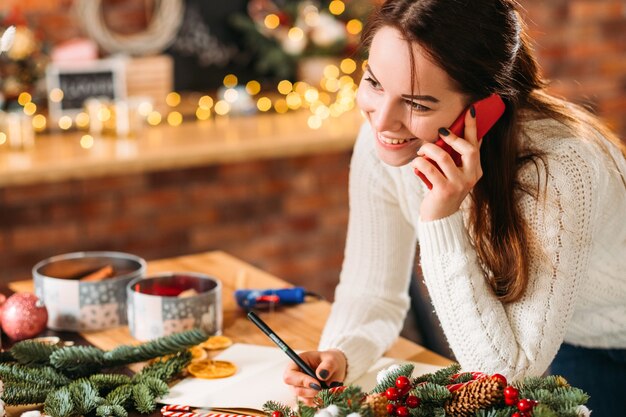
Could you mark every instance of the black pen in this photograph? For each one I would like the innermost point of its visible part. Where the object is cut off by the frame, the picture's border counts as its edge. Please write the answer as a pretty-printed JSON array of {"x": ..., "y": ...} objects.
[{"x": 283, "y": 346}]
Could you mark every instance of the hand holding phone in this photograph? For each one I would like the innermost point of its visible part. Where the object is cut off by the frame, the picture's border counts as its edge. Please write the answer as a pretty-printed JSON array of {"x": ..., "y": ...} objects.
[{"x": 488, "y": 111}]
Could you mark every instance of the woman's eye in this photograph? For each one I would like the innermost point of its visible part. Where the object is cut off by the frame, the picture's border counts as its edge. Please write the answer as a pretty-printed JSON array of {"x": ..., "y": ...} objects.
[
  {"x": 372, "y": 82},
  {"x": 416, "y": 106}
]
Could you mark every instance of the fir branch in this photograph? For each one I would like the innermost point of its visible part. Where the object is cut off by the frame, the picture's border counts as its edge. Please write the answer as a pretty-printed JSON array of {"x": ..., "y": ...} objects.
[
  {"x": 84, "y": 396},
  {"x": 120, "y": 396},
  {"x": 143, "y": 399},
  {"x": 389, "y": 379},
  {"x": 440, "y": 377},
  {"x": 30, "y": 352},
  {"x": 36, "y": 375},
  {"x": 107, "y": 382},
  {"x": 166, "y": 345},
  {"x": 59, "y": 403},
  {"x": 114, "y": 410},
  {"x": 22, "y": 394},
  {"x": 157, "y": 387},
  {"x": 285, "y": 410},
  {"x": 166, "y": 369},
  {"x": 77, "y": 360},
  {"x": 430, "y": 393},
  {"x": 462, "y": 378}
]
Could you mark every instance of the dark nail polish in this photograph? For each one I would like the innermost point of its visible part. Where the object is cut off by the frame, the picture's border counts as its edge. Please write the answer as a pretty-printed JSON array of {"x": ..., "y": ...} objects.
[
  {"x": 315, "y": 386},
  {"x": 336, "y": 384},
  {"x": 323, "y": 374},
  {"x": 472, "y": 111},
  {"x": 443, "y": 131}
]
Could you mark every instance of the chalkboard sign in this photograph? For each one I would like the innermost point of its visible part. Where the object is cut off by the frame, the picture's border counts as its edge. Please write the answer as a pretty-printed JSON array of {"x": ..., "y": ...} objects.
[{"x": 78, "y": 82}]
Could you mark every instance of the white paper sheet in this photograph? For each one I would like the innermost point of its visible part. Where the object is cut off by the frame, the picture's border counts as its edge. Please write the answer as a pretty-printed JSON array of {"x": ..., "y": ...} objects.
[{"x": 259, "y": 378}]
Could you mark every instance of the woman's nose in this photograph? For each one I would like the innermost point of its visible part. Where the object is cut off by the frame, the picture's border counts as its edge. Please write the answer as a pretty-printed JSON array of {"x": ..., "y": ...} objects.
[{"x": 386, "y": 117}]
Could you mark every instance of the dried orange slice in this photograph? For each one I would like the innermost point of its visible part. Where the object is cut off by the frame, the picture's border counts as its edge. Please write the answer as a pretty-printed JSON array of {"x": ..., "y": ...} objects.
[
  {"x": 197, "y": 353},
  {"x": 210, "y": 369},
  {"x": 216, "y": 342}
]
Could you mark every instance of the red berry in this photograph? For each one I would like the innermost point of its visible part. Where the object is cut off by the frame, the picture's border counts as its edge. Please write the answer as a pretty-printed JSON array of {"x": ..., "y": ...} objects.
[
  {"x": 412, "y": 401},
  {"x": 525, "y": 405},
  {"x": 392, "y": 394},
  {"x": 500, "y": 378},
  {"x": 402, "y": 411},
  {"x": 402, "y": 382},
  {"x": 277, "y": 414},
  {"x": 516, "y": 414},
  {"x": 511, "y": 392},
  {"x": 391, "y": 409},
  {"x": 510, "y": 400}
]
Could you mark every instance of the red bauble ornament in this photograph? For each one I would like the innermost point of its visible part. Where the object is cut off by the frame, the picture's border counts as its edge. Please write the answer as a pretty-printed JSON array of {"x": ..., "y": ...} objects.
[
  {"x": 402, "y": 411},
  {"x": 412, "y": 401},
  {"x": 402, "y": 382},
  {"x": 516, "y": 414},
  {"x": 500, "y": 378},
  {"x": 525, "y": 405},
  {"x": 391, "y": 409},
  {"x": 277, "y": 414},
  {"x": 511, "y": 395},
  {"x": 23, "y": 316},
  {"x": 392, "y": 394}
]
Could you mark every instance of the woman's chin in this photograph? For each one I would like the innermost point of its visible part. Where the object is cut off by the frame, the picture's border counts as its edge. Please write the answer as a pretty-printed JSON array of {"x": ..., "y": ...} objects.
[{"x": 394, "y": 159}]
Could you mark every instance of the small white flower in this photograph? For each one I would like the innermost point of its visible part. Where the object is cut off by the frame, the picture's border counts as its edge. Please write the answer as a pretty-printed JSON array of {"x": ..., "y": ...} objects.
[
  {"x": 380, "y": 376},
  {"x": 7, "y": 39},
  {"x": 33, "y": 413},
  {"x": 354, "y": 415},
  {"x": 583, "y": 411},
  {"x": 323, "y": 413}
]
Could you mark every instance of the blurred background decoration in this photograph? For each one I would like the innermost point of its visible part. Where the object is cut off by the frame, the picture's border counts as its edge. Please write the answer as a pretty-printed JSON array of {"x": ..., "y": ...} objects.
[
  {"x": 23, "y": 66},
  {"x": 288, "y": 34}
]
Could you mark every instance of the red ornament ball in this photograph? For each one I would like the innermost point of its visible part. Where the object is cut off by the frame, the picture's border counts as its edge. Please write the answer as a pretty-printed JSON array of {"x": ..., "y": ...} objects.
[
  {"x": 402, "y": 382},
  {"x": 277, "y": 414},
  {"x": 392, "y": 394},
  {"x": 412, "y": 401},
  {"x": 525, "y": 405},
  {"x": 391, "y": 409},
  {"x": 23, "y": 316},
  {"x": 402, "y": 411}
]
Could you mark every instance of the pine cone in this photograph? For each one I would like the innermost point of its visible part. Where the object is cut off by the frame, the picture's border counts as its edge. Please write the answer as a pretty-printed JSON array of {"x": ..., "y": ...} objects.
[
  {"x": 378, "y": 404},
  {"x": 482, "y": 393}
]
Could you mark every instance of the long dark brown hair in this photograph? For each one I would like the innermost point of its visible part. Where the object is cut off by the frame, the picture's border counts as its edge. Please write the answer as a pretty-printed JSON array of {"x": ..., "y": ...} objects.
[{"x": 483, "y": 47}]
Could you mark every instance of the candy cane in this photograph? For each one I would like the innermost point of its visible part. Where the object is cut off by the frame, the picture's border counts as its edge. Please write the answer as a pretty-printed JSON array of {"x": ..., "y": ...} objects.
[{"x": 185, "y": 411}]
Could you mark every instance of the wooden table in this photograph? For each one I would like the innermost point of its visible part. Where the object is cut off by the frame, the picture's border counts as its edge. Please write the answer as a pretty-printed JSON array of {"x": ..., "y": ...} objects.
[{"x": 299, "y": 326}]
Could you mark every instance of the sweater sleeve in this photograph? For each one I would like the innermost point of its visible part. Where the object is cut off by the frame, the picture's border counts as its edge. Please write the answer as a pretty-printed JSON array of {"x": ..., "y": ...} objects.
[
  {"x": 371, "y": 299},
  {"x": 520, "y": 338}
]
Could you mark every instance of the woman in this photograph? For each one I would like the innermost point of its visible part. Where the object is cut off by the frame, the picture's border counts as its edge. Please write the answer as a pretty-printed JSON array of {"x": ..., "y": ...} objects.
[{"x": 522, "y": 247}]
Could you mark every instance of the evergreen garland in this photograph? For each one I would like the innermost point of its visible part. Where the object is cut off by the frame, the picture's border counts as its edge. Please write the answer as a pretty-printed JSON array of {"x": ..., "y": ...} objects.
[
  {"x": 445, "y": 393},
  {"x": 69, "y": 382}
]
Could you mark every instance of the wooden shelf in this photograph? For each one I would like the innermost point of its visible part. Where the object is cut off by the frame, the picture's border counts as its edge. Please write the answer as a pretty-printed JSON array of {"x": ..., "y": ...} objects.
[{"x": 58, "y": 157}]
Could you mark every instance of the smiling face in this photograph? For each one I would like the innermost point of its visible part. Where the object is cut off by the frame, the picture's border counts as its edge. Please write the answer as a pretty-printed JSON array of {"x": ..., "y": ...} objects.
[{"x": 405, "y": 115}]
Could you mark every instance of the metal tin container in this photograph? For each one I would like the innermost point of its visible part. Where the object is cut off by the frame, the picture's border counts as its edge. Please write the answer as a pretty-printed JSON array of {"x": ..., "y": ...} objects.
[
  {"x": 172, "y": 302},
  {"x": 78, "y": 305}
]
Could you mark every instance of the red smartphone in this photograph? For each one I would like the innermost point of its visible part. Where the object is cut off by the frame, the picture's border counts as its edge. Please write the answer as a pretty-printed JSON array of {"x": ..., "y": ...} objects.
[{"x": 488, "y": 111}]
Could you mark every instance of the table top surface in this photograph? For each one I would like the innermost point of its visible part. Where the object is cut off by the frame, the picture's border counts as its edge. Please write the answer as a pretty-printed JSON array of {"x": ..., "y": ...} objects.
[{"x": 299, "y": 326}]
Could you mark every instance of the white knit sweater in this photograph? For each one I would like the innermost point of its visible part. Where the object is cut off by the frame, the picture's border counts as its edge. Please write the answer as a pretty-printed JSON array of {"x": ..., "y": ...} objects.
[{"x": 577, "y": 283}]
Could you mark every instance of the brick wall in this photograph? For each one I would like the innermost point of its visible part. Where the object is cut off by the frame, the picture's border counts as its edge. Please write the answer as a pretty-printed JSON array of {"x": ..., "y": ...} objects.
[{"x": 286, "y": 216}]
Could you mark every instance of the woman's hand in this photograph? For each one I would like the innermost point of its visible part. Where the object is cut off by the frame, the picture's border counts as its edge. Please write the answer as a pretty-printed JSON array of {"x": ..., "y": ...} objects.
[
  {"x": 451, "y": 186},
  {"x": 330, "y": 366}
]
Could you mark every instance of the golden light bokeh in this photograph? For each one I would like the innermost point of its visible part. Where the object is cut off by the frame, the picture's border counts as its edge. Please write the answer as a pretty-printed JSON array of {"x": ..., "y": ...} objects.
[
  {"x": 205, "y": 102},
  {"x": 281, "y": 106},
  {"x": 314, "y": 122},
  {"x": 86, "y": 141},
  {"x": 3, "y": 138},
  {"x": 264, "y": 104},
  {"x": 348, "y": 66},
  {"x": 203, "y": 113},
  {"x": 222, "y": 107},
  {"x": 56, "y": 95},
  {"x": 30, "y": 108},
  {"x": 172, "y": 99},
  {"x": 230, "y": 81},
  {"x": 154, "y": 118},
  {"x": 24, "y": 98},
  {"x": 253, "y": 87},
  {"x": 294, "y": 101},
  {"x": 354, "y": 26},
  {"x": 65, "y": 122},
  {"x": 82, "y": 120},
  {"x": 39, "y": 122},
  {"x": 331, "y": 71},
  {"x": 271, "y": 21},
  {"x": 337, "y": 7},
  {"x": 295, "y": 34},
  {"x": 231, "y": 95},
  {"x": 174, "y": 118},
  {"x": 285, "y": 87}
]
